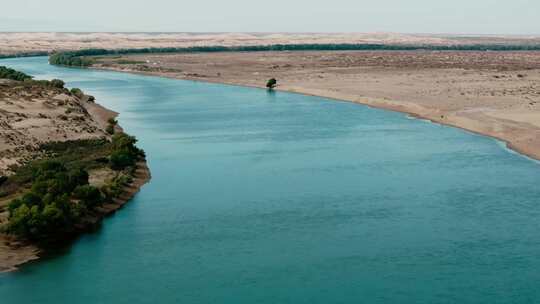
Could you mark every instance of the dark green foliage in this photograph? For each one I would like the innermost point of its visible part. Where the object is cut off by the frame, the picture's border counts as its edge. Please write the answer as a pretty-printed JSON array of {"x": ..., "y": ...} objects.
[
  {"x": 80, "y": 58},
  {"x": 124, "y": 61},
  {"x": 8, "y": 73},
  {"x": 78, "y": 176},
  {"x": 77, "y": 92},
  {"x": 47, "y": 209},
  {"x": 116, "y": 186},
  {"x": 3, "y": 179},
  {"x": 271, "y": 83},
  {"x": 89, "y": 196},
  {"x": 57, "y": 83},
  {"x": 121, "y": 159},
  {"x": 59, "y": 195},
  {"x": 27, "y": 54},
  {"x": 125, "y": 153},
  {"x": 112, "y": 121},
  {"x": 69, "y": 59},
  {"x": 88, "y": 154}
]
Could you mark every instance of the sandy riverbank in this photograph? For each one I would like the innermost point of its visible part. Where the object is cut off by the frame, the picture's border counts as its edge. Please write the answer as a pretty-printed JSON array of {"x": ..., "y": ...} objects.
[
  {"x": 491, "y": 93},
  {"x": 31, "y": 116}
]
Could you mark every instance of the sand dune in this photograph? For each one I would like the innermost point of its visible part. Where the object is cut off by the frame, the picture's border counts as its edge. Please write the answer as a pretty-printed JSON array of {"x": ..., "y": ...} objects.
[{"x": 11, "y": 43}]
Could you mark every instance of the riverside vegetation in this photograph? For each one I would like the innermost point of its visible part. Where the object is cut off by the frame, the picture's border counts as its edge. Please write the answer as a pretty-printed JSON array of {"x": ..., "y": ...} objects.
[
  {"x": 11, "y": 74},
  {"x": 83, "y": 58},
  {"x": 52, "y": 198},
  {"x": 58, "y": 199}
]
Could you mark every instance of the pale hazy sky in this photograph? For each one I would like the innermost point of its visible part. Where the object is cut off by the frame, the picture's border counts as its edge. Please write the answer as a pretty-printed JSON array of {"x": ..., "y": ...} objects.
[{"x": 410, "y": 16}]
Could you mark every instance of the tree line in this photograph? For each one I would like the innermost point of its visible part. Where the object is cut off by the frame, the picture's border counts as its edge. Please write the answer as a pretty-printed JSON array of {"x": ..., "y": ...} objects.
[
  {"x": 80, "y": 58},
  {"x": 27, "y": 54},
  {"x": 12, "y": 74}
]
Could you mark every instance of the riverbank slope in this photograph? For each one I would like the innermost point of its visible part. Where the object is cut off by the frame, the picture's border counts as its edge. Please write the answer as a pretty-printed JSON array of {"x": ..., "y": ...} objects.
[{"x": 34, "y": 115}]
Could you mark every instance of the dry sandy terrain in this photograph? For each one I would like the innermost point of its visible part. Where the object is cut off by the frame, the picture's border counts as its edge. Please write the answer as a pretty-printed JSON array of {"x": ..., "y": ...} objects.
[
  {"x": 11, "y": 43},
  {"x": 492, "y": 93}
]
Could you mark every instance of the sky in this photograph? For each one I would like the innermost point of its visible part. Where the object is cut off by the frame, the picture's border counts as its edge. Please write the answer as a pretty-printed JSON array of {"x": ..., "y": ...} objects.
[{"x": 519, "y": 17}]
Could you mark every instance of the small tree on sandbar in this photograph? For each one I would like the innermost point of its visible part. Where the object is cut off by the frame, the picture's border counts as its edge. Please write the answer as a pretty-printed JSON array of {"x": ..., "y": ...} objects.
[{"x": 271, "y": 84}]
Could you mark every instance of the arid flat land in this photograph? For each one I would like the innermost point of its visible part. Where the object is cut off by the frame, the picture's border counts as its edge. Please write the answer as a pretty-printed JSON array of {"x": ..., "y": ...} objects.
[
  {"x": 15, "y": 43},
  {"x": 492, "y": 93}
]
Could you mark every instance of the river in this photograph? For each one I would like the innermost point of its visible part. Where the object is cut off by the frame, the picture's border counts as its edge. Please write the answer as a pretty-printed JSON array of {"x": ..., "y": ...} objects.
[{"x": 261, "y": 197}]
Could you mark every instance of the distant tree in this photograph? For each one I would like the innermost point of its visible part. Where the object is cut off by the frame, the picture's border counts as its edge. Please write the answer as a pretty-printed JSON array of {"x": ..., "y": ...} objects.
[{"x": 272, "y": 82}]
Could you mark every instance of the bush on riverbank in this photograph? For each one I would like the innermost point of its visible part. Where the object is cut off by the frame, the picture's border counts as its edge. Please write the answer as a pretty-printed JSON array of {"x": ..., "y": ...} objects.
[
  {"x": 125, "y": 153},
  {"x": 70, "y": 59},
  {"x": 58, "y": 195},
  {"x": 77, "y": 92},
  {"x": 49, "y": 208},
  {"x": 272, "y": 82},
  {"x": 8, "y": 73}
]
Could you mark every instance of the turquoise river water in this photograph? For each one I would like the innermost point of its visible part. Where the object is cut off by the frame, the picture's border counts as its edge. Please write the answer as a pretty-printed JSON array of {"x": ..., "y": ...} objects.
[{"x": 284, "y": 198}]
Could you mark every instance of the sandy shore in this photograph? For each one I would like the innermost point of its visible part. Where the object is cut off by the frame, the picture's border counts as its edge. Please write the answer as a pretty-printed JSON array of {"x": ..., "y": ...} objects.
[{"x": 491, "y": 93}]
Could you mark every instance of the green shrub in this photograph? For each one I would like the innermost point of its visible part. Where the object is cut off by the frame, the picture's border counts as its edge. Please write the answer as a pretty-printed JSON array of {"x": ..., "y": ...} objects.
[
  {"x": 46, "y": 209},
  {"x": 125, "y": 153},
  {"x": 89, "y": 196},
  {"x": 77, "y": 92},
  {"x": 121, "y": 159},
  {"x": 8, "y": 73},
  {"x": 57, "y": 83}
]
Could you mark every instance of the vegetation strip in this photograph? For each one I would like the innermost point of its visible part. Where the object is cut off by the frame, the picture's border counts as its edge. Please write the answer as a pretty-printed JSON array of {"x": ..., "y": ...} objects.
[
  {"x": 81, "y": 58},
  {"x": 29, "y": 54}
]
